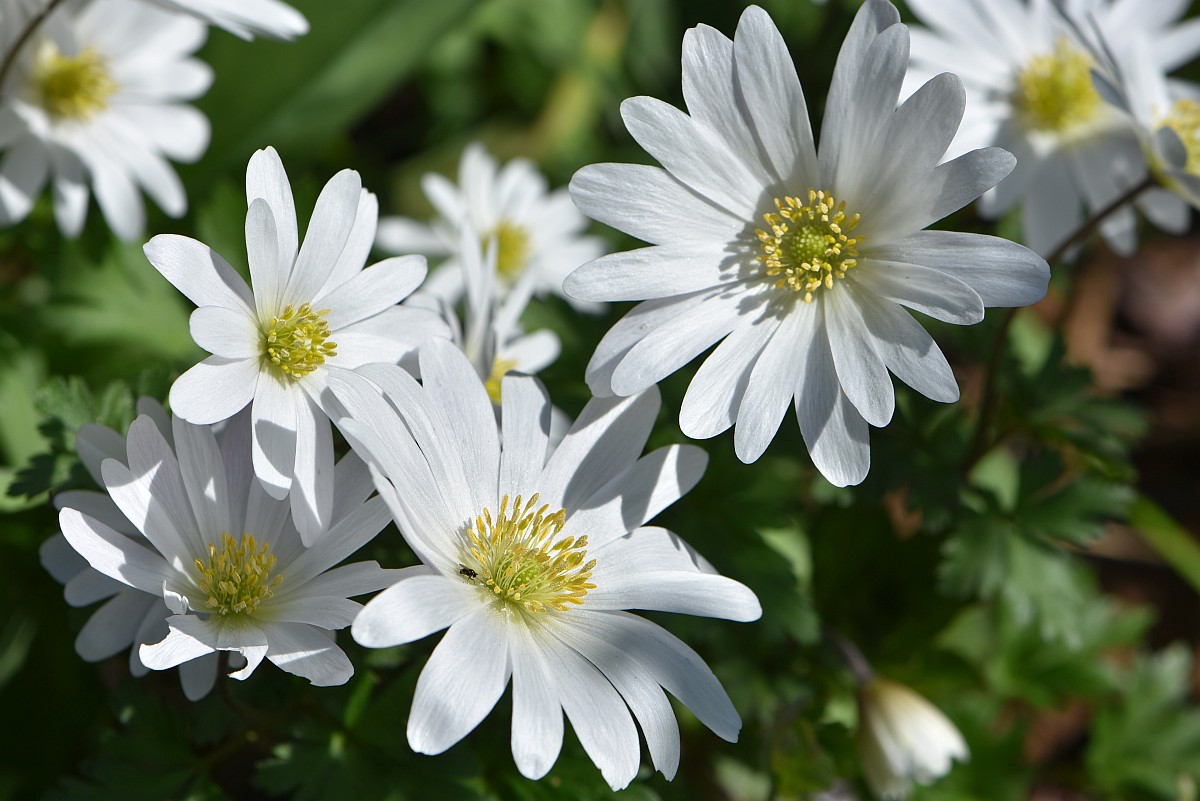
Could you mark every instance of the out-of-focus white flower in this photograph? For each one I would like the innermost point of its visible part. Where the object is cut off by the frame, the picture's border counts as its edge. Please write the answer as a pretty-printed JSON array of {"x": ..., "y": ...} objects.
[
  {"x": 1029, "y": 90},
  {"x": 1165, "y": 113},
  {"x": 94, "y": 98},
  {"x": 798, "y": 261},
  {"x": 202, "y": 545},
  {"x": 312, "y": 310},
  {"x": 245, "y": 18},
  {"x": 531, "y": 558},
  {"x": 903, "y": 739},
  {"x": 538, "y": 233}
]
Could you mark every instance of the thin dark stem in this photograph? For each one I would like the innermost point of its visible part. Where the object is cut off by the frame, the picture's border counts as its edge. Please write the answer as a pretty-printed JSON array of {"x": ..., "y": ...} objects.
[
  {"x": 35, "y": 22},
  {"x": 980, "y": 442},
  {"x": 850, "y": 652}
]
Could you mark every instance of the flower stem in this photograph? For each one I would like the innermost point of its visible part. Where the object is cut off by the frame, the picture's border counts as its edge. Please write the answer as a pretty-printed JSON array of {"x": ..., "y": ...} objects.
[
  {"x": 980, "y": 442},
  {"x": 35, "y": 22},
  {"x": 854, "y": 658}
]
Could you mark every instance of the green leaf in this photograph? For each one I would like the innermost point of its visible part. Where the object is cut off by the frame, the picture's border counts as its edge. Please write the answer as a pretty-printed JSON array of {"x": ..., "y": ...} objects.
[
  {"x": 1173, "y": 543},
  {"x": 298, "y": 96}
]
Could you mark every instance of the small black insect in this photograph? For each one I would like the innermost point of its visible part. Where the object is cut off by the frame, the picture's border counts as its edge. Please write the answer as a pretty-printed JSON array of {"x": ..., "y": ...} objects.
[{"x": 468, "y": 573}]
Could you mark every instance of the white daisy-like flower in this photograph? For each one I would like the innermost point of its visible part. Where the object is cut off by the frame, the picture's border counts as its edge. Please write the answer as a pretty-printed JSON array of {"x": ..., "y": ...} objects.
[
  {"x": 1029, "y": 90},
  {"x": 1165, "y": 114},
  {"x": 95, "y": 98},
  {"x": 798, "y": 261},
  {"x": 222, "y": 556},
  {"x": 128, "y": 617},
  {"x": 245, "y": 18},
  {"x": 530, "y": 558},
  {"x": 538, "y": 232},
  {"x": 310, "y": 313},
  {"x": 492, "y": 337},
  {"x": 903, "y": 739}
]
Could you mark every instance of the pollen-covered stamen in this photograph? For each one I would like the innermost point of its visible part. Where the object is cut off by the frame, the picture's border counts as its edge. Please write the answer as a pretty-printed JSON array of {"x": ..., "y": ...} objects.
[
  {"x": 808, "y": 245},
  {"x": 500, "y": 368},
  {"x": 1184, "y": 120},
  {"x": 296, "y": 341},
  {"x": 1055, "y": 91},
  {"x": 237, "y": 578},
  {"x": 518, "y": 561},
  {"x": 512, "y": 248},
  {"x": 71, "y": 87}
]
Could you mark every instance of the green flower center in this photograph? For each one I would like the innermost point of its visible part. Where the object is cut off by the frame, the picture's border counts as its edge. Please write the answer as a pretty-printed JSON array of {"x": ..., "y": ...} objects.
[
  {"x": 1184, "y": 119},
  {"x": 71, "y": 87},
  {"x": 516, "y": 559},
  {"x": 808, "y": 245},
  {"x": 1055, "y": 91},
  {"x": 237, "y": 578},
  {"x": 512, "y": 249},
  {"x": 297, "y": 341}
]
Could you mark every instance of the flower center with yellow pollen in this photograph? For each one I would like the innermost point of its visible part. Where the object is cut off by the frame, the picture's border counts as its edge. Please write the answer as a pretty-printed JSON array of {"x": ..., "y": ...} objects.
[
  {"x": 517, "y": 560},
  {"x": 512, "y": 249},
  {"x": 237, "y": 578},
  {"x": 808, "y": 245},
  {"x": 71, "y": 87},
  {"x": 1054, "y": 90},
  {"x": 1184, "y": 120},
  {"x": 500, "y": 368},
  {"x": 297, "y": 340}
]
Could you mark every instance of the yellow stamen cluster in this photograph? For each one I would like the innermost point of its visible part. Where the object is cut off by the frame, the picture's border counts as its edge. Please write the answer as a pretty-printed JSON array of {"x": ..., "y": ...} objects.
[
  {"x": 808, "y": 245},
  {"x": 500, "y": 368},
  {"x": 296, "y": 341},
  {"x": 237, "y": 578},
  {"x": 518, "y": 560},
  {"x": 1184, "y": 119},
  {"x": 71, "y": 87},
  {"x": 512, "y": 248},
  {"x": 1055, "y": 91}
]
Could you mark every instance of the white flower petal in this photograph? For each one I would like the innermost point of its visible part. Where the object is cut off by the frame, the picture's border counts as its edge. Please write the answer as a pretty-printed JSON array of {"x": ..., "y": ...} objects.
[
  {"x": 95, "y": 443},
  {"x": 198, "y": 676},
  {"x": 647, "y": 203},
  {"x": 920, "y": 287},
  {"x": 373, "y": 290},
  {"x": 88, "y": 586},
  {"x": 305, "y": 651},
  {"x": 358, "y": 244},
  {"x": 267, "y": 179},
  {"x": 311, "y": 494},
  {"x": 228, "y": 333},
  {"x": 537, "y": 720},
  {"x": 861, "y": 372},
  {"x": 772, "y": 384},
  {"x": 463, "y": 679},
  {"x": 214, "y": 390},
  {"x": 59, "y": 559},
  {"x": 328, "y": 232},
  {"x": 420, "y": 603},
  {"x": 351, "y": 580},
  {"x": 908, "y": 350},
  {"x": 835, "y": 433},
  {"x": 269, "y": 270},
  {"x": 273, "y": 414},
  {"x": 111, "y": 628},
  {"x": 198, "y": 272},
  {"x": 114, "y": 554},
  {"x": 525, "y": 414},
  {"x": 96, "y": 505},
  {"x": 653, "y": 272}
]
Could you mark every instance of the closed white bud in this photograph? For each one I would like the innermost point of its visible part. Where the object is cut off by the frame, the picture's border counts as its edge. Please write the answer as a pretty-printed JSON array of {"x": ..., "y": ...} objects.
[{"x": 903, "y": 739}]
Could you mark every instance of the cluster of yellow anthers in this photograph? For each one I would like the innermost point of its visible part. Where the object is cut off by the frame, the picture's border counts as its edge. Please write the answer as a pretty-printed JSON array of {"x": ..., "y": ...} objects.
[
  {"x": 1184, "y": 120},
  {"x": 518, "y": 559},
  {"x": 71, "y": 87},
  {"x": 296, "y": 341},
  {"x": 1055, "y": 91},
  {"x": 237, "y": 578},
  {"x": 808, "y": 245},
  {"x": 512, "y": 248}
]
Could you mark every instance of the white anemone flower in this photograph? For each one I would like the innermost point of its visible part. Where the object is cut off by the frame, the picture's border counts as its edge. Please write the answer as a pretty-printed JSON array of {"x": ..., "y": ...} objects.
[
  {"x": 128, "y": 617},
  {"x": 798, "y": 261},
  {"x": 95, "y": 97},
  {"x": 1165, "y": 114},
  {"x": 903, "y": 739},
  {"x": 492, "y": 337},
  {"x": 309, "y": 313},
  {"x": 245, "y": 18},
  {"x": 529, "y": 559},
  {"x": 538, "y": 233},
  {"x": 221, "y": 558},
  {"x": 1029, "y": 90}
]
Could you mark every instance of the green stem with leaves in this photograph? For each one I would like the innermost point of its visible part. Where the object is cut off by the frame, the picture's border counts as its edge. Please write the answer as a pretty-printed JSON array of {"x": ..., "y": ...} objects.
[{"x": 981, "y": 442}]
